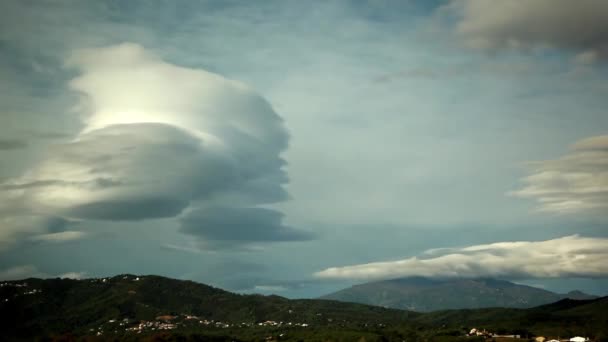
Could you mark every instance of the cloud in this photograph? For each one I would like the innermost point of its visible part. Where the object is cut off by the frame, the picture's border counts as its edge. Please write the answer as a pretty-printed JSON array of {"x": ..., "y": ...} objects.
[
  {"x": 578, "y": 26},
  {"x": 181, "y": 248},
  {"x": 574, "y": 183},
  {"x": 159, "y": 138},
  {"x": 21, "y": 272},
  {"x": 256, "y": 284},
  {"x": 219, "y": 224},
  {"x": 64, "y": 236},
  {"x": 73, "y": 275},
  {"x": 269, "y": 288},
  {"x": 6, "y": 145},
  {"x": 15, "y": 228},
  {"x": 31, "y": 271},
  {"x": 570, "y": 256}
]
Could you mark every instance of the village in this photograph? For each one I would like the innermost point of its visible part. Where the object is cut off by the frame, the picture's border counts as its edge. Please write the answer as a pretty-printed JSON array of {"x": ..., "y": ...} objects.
[
  {"x": 170, "y": 322},
  {"x": 25, "y": 292},
  {"x": 487, "y": 334}
]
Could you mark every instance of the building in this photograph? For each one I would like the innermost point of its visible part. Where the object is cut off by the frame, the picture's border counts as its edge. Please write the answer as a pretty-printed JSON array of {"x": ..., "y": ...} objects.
[{"x": 579, "y": 339}]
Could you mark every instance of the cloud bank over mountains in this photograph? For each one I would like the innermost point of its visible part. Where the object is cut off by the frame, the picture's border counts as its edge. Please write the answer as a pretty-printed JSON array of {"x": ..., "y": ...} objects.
[
  {"x": 161, "y": 141},
  {"x": 569, "y": 256}
]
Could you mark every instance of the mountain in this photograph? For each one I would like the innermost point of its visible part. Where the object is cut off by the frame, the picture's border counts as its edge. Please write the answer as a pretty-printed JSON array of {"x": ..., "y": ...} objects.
[
  {"x": 48, "y": 306},
  {"x": 424, "y": 294},
  {"x": 576, "y": 294}
]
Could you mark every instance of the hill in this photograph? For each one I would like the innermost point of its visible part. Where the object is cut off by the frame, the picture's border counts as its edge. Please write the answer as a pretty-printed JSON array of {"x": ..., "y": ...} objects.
[
  {"x": 424, "y": 295},
  {"x": 49, "y": 306},
  {"x": 128, "y": 307},
  {"x": 567, "y": 317}
]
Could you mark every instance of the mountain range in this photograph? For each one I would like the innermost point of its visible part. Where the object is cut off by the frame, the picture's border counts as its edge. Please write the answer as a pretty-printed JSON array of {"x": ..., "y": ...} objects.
[{"x": 425, "y": 294}]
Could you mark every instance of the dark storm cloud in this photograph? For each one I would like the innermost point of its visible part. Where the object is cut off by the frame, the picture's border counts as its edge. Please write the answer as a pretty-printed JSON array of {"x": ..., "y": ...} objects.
[
  {"x": 239, "y": 225},
  {"x": 56, "y": 224}
]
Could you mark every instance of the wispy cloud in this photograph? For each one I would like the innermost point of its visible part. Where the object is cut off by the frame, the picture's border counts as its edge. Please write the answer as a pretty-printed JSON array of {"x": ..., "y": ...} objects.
[
  {"x": 574, "y": 183},
  {"x": 68, "y": 235},
  {"x": 30, "y": 271},
  {"x": 269, "y": 288}
]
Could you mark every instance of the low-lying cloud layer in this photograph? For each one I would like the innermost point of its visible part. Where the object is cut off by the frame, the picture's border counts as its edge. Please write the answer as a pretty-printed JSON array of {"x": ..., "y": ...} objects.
[
  {"x": 570, "y": 256},
  {"x": 31, "y": 271},
  {"x": 580, "y": 26},
  {"x": 576, "y": 182},
  {"x": 158, "y": 139}
]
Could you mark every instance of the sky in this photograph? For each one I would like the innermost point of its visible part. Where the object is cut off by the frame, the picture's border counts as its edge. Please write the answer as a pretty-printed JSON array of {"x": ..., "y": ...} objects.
[{"x": 300, "y": 147}]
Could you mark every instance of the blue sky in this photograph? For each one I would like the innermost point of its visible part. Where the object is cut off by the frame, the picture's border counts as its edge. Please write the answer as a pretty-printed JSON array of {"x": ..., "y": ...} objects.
[{"x": 280, "y": 146}]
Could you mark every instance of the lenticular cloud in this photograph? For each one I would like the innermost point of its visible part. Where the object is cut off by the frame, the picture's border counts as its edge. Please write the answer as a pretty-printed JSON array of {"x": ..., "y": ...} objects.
[
  {"x": 569, "y": 256},
  {"x": 158, "y": 139}
]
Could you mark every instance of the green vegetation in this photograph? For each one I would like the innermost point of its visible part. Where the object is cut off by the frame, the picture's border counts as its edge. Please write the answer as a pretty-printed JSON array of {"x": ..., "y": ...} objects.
[{"x": 128, "y": 307}]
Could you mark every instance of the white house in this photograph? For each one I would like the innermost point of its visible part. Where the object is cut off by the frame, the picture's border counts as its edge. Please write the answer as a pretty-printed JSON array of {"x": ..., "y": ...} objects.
[{"x": 578, "y": 339}]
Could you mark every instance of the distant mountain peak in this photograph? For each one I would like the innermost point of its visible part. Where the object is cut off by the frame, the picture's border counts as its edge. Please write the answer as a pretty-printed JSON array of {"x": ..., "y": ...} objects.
[
  {"x": 576, "y": 294},
  {"x": 430, "y": 294}
]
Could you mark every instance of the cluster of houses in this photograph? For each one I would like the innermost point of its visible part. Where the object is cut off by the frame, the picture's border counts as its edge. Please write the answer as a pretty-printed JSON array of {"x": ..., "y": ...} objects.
[
  {"x": 19, "y": 285},
  {"x": 573, "y": 339},
  {"x": 105, "y": 280},
  {"x": 169, "y": 322},
  {"x": 280, "y": 324},
  {"x": 152, "y": 325},
  {"x": 485, "y": 333},
  {"x": 3, "y": 284}
]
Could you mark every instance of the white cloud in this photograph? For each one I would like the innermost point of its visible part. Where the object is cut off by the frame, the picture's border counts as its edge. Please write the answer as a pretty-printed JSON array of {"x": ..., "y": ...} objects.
[
  {"x": 570, "y": 256},
  {"x": 580, "y": 26},
  {"x": 269, "y": 288},
  {"x": 157, "y": 139},
  {"x": 73, "y": 275},
  {"x": 576, "y": 182},
  {"x": 68, "y": 235}
]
